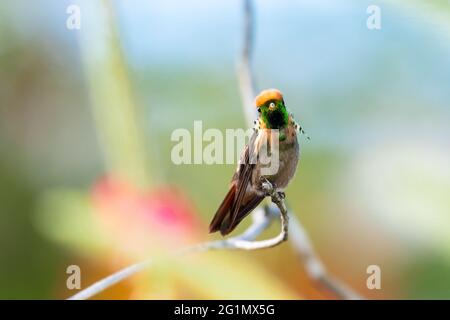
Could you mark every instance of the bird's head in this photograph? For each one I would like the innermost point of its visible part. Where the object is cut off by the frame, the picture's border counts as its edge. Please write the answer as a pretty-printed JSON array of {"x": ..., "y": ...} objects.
[{"x": 272, "y": 110}]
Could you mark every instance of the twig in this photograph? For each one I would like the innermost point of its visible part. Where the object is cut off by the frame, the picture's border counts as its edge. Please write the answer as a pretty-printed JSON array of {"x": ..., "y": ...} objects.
[
  {"x": 245, "y": 74},
  {"x": 245, "y": 241},
  {"x": 111, "y": 280},
  {"x": 314, "y": 267}
]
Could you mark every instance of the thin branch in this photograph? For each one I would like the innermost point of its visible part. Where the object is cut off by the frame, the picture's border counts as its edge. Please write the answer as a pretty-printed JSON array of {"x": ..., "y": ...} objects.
[
  {"x": 245, "y": 241},
  {"x": 314, "y": 267},
  {"x": 245, "y": 74},
  {"x": 111, "y": 280}
]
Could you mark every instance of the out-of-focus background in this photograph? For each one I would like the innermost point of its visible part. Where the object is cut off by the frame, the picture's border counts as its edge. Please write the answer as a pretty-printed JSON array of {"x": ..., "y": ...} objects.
[{"x": 86, "y": 116}]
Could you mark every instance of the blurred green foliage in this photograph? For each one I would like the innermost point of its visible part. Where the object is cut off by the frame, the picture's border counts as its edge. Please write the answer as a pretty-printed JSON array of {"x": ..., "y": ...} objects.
[{"x": 353, "y": 91}]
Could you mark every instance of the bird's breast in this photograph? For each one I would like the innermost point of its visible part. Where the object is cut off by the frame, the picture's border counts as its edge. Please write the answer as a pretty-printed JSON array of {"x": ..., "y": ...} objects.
[{"x": 284, "y": 161}]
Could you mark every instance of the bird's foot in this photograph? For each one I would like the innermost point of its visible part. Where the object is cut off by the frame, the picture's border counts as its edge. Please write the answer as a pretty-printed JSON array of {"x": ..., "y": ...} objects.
[
  {"x": 271, "y": 190},
  {"x": 267, "y": 186}
]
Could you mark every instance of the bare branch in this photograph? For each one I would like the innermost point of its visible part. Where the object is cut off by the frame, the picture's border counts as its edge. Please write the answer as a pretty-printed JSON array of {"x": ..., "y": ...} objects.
[
  {"x": 111, "y": 280},
  {"x": 246, "y": 241},
  {"x": 245, "y": 74},
  {"x": 314, "y": 267}
]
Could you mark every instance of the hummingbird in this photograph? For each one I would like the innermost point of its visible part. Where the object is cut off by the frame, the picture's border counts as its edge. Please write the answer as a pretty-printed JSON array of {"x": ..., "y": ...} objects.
[{"x": 246, "y": 189}]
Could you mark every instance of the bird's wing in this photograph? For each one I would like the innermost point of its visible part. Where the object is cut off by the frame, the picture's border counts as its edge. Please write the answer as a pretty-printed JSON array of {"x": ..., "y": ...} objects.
[
  {"x": 239, "y": 201},
  {"x": 222, "y": 214},
  {"x": 244, "y": 176}
]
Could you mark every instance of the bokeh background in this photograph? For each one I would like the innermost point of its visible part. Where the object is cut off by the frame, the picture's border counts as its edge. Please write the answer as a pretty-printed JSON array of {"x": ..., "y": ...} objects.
[{"x": 86, "y": 117}]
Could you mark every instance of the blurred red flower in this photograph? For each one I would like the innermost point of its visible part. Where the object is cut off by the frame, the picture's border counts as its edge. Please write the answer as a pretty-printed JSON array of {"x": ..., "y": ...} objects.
[{"x": 140, "y": 221}]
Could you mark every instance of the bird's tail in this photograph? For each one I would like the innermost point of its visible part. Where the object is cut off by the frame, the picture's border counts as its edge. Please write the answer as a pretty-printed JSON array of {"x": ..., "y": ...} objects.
[{"x": 224, "y": 211}]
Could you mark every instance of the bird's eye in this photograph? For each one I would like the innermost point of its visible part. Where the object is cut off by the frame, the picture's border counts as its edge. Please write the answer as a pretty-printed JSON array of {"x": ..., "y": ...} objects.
[
  {"x": 272, "y": 105},
  {"x": 259, "y": 110}
]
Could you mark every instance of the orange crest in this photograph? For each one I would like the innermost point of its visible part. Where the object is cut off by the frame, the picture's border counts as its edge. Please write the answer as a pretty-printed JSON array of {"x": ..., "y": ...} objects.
[{"x": 267, "y": 95}]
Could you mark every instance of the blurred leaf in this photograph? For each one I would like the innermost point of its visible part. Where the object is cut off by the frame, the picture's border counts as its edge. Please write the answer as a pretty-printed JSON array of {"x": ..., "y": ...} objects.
[
  {"x": 428, "y": 277},
  {"x": 66, "y": 217}
]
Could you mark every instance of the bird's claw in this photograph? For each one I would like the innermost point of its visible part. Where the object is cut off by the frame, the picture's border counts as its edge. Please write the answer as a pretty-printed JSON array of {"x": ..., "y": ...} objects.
[
  {"x": 270, "y": 189},
  {"x": 267, "y": 186}
]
